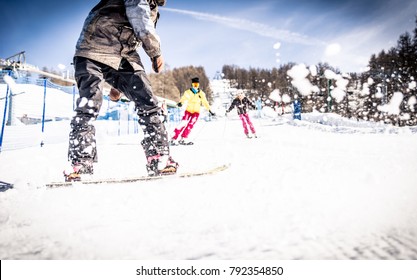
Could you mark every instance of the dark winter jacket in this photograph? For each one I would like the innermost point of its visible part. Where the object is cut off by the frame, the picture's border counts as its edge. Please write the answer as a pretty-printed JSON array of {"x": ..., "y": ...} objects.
[
  {"x": 241, "y": 105},
  {"x": 114, "y": 29}
]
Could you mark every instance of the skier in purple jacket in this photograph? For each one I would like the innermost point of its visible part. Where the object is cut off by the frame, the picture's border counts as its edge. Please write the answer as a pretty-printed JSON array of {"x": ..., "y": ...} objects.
[{"x": 242, "y": 103}]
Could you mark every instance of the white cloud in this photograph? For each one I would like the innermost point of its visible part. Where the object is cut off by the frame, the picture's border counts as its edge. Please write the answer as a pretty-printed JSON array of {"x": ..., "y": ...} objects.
[
  {"x": 254, "y": 27},
  {"x": 367, "y": 39},
  {"x": 352, "y": 43}
]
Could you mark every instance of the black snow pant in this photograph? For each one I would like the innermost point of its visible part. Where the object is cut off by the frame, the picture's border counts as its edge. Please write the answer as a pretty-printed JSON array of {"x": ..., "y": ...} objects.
[{"x": 90, "y": 76}]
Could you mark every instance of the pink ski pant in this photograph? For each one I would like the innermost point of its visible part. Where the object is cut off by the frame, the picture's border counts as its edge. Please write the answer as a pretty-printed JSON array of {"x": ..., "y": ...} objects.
[
  {"x": 245, "y": 122},
  {"x": 186, "y": 125}
]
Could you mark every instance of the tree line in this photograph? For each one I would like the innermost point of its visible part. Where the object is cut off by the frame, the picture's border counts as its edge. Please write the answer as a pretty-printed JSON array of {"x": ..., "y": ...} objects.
[{"x": 394, "y": 75}]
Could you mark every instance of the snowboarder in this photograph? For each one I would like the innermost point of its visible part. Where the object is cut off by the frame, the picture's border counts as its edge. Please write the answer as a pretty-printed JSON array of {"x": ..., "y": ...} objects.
[
  {"x": 194, "y": 97},
  {"x": 106, "y": 52},
  {"x": 241, "y": 102}
]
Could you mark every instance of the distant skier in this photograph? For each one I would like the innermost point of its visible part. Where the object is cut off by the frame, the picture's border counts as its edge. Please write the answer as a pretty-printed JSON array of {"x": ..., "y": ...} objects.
[
  {"x": 106, "y": 51},
  {"x": 242, "y": 103},
  {"x": 258, "y": 104},
  {"x": 194, "y": 97},
  {"x": 296, "y": 109}
]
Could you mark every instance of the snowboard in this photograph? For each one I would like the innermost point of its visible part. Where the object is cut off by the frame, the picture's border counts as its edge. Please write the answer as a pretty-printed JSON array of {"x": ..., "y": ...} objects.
[{"x": 137, "y": 179}]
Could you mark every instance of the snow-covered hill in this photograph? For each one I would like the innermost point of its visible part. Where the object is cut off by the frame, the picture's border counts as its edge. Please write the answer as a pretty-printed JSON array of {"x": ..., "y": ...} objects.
[
  {"x": 320, "y": 188},
  {"x": 302, "y": 190}
]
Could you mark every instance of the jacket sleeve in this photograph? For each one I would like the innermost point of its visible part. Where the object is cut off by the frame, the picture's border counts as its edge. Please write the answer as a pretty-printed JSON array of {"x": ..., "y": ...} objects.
[
  {"x": 232, "y": 105},
  {"x": 139, "y": 15},
  {"x": 204, "y": 100},
  {"x": 250, "y": 103},
  {"x": 185, "y": 97}
]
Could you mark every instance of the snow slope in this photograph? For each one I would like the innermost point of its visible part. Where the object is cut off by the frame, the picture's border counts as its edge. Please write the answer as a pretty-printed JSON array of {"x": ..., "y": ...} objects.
[{"x": 320, "y": 188}]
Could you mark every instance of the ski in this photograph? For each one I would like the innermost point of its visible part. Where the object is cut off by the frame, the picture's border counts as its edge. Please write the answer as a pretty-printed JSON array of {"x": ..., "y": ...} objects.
[
  {"x": 186, "y": 143},
  {"x": 137, "y": 179},
  {"x": 4, "y": 186},
  {"x": 181, "y": 143}
]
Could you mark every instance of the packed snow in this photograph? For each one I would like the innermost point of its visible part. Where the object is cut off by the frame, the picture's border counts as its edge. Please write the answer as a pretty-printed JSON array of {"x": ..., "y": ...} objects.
[{"x": 320, "y": 188}]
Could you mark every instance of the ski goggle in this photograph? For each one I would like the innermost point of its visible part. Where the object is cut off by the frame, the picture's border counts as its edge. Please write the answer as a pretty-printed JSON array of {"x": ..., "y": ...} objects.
[{"x": 195, "y": 85}]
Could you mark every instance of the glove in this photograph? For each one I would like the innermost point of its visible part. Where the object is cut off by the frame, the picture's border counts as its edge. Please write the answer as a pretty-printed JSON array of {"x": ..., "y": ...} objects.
[
  {"x": 226, "y": 113},
  {"x": 157, "y": 63},
  {"x": 124, "y": 100},
  {"x": 179, "y": 104},
  {"x": 211, "y": 113}
]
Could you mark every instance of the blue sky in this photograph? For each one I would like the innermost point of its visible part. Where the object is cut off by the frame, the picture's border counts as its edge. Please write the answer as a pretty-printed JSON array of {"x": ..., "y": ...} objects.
[{"x": 262, "y": 33}]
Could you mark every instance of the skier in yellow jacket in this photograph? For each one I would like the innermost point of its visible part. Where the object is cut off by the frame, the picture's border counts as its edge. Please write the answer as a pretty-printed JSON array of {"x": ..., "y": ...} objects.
[{"x": 194, "y": 97}]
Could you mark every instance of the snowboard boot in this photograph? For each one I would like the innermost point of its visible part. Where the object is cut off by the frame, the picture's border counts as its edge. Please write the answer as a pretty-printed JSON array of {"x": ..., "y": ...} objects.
[
  {"x": 168, "y": 167},
  {"x": 74, "y": 173},
  {"x": 161, "y": 165}
]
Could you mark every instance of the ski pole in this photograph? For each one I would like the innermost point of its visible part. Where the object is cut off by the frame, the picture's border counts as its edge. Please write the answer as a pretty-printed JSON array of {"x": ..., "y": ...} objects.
[
  {"x": 4, "y": 117},
  {"x": 199, "y": 131},
  {"x": 259, "y": 123}
]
